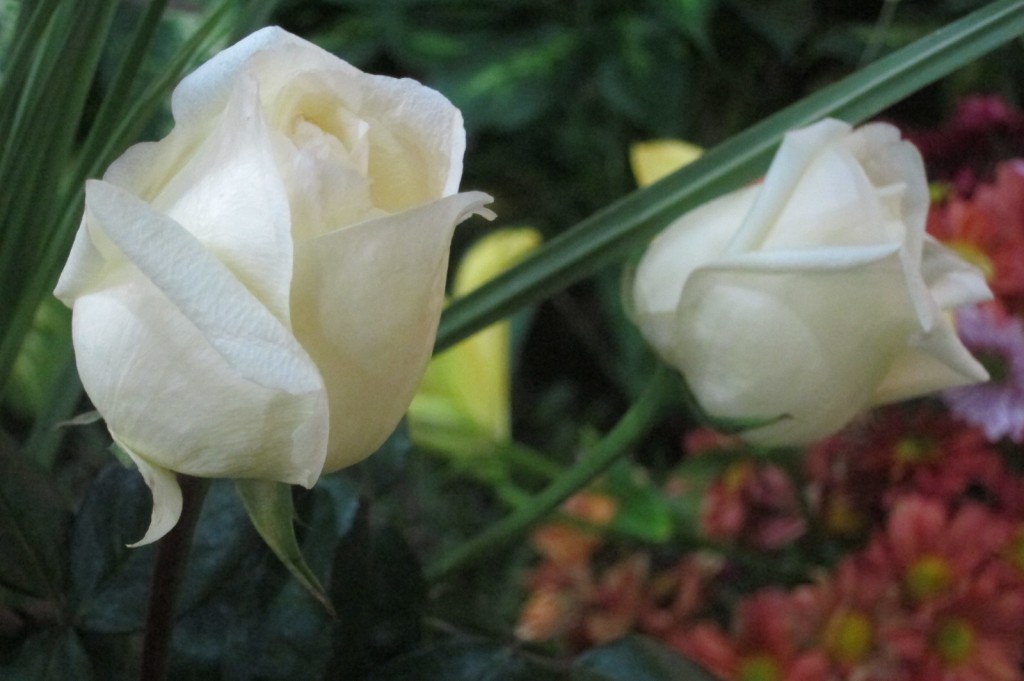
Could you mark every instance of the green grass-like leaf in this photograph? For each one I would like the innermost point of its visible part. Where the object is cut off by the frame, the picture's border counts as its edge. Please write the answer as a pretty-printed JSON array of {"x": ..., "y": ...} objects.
[{"x": 608, "y": 235}]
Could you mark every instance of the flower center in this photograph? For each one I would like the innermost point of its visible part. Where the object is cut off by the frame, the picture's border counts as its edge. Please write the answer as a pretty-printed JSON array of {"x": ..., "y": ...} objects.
[
  {"x": 759, "y": 668},
  {"x": 928, "y": 576},
  {"x": 849, "y": 637},
  {"x": 842, "y": 519},
  {"x": 736, "y": 476},
  {"x": 954, "y": 641},
  {"x": 915, "y": 450}
]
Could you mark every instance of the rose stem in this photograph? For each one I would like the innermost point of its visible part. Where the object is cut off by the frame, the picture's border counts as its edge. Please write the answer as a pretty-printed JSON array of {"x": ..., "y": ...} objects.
[
  {"x": 644, "y": 412},
  {"x": 171, "y": 558}
]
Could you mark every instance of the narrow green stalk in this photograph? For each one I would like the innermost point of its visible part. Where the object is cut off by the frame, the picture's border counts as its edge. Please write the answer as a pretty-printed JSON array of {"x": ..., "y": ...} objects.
[
  {"x": 171, "y": 560},
  {"x": 527, "y": 460},
  {"x": 640, "y": 417}
]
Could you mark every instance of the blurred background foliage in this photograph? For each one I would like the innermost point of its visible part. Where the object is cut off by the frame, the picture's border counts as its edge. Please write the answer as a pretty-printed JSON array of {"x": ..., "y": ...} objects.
[{"x": 553, "y": 95}]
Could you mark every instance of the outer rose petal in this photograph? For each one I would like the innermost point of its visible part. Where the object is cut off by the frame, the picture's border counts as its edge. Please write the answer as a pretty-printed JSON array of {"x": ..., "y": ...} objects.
[
  {"x": 358, "y": 289},
  {"x": 167, "y": 501},
  {"x": 698, "y": 237},
  {"x": 756, "y": 342},
  {"x": 174, "y": 318}
]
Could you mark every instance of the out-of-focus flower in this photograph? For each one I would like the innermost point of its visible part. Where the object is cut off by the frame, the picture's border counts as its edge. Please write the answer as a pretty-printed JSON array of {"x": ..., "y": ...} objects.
[
  {"x": 801, "y": 301},
  {"x": 858, "y": 473},
  {"x": 997, "y": 407},
  {"x": 772, "y": 640},
  {"x": 983, "y": 130},
  {"x": 257, "y": 294},
  {"x": 753, "y": 504},
  {"x": 654, "y": 159},
  {"x": 462, "y": 405},
  {"x": 987, "y": 229}
]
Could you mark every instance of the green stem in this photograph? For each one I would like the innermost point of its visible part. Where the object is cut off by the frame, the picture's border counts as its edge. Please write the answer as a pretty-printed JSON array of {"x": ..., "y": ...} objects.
[
  {"x": 171, "y": 559},
  {"x": 527, "y": 460},
  {"x": 633, "y": 424}
]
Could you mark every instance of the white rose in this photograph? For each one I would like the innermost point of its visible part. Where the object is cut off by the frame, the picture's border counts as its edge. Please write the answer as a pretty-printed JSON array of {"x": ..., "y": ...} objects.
[
  {"x": 811, "y": 296},
  {"x": 257, "y": 294}
]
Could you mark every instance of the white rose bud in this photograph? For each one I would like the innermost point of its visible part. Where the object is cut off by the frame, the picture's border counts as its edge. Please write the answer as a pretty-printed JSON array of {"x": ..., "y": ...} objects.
[
  {"x": 257, "y": 294},
  {"x": 805, "y": 299}
]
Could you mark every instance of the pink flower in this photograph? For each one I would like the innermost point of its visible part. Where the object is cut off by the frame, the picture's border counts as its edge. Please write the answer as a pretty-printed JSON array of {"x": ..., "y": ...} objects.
[{"x": 753, "y": 504}]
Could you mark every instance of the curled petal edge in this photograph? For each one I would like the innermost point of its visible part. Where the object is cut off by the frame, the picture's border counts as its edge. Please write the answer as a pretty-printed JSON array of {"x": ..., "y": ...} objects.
[{"x": 163, "y": 485}]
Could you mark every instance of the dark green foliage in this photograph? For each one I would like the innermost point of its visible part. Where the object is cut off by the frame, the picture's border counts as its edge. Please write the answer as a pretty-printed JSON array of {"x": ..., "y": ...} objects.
[{"x": 633, "y": 658}]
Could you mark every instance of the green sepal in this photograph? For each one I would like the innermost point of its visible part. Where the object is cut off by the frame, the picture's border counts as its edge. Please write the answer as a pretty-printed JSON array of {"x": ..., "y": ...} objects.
[{"x": 270, "y": 507}]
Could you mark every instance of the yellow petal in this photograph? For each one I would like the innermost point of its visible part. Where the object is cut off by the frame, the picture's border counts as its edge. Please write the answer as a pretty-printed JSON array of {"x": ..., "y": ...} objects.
[{"x": 655, "y": 159}]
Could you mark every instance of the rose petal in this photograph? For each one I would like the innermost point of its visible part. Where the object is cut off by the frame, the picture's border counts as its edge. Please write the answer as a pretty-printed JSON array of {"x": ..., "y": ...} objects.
[
  {"x": 799, "y": 150},
  {"x": 167, "y": 501},
  {"x": 187, "y": 367},
  {"x": 763, "y": 342},
  {"x": 359, "y": 289}
]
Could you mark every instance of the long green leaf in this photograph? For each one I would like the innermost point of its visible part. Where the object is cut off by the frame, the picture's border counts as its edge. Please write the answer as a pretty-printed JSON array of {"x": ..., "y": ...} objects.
[
  {"x": 608, "y": 234},
  {"x": 129, "y": 118}
]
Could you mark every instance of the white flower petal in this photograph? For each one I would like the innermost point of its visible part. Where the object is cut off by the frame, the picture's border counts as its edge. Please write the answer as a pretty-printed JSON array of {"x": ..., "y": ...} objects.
[
  {"x": 249, "y": 337},
  {"x": 367, "y": 303},
  {"x": 799, "y": 150},
  {"x": 768, "y": 343},
  {"x": 167, "y": 501}
]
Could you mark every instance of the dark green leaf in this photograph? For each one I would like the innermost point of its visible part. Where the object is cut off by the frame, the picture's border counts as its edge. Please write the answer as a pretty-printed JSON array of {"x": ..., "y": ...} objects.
[
  {"x": 635, "y": 658},
  {"x": 782, "y": 23},
  {"x": 469, "y": 660},
  {"x": 109, "y": 581},
  {"x": 506, "y": 86},
  {"x": 644, "y": 75},
  {"x": 379, "y": 593},
  {"x": 259, "y": 623},
  {"x": 32, "y": 526},
  {"x": 50, "y": 656}
]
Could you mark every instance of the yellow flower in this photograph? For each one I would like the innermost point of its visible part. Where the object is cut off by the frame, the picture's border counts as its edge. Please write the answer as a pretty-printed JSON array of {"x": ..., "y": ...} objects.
[
  {"x": 462, "y": 406},
  {"x": 655, "y": 159}
]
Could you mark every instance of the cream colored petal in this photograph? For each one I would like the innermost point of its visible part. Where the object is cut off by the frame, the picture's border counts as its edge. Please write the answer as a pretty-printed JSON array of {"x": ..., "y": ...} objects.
[
  {"x": 799, "y": 150},
  {"x": 231, "y": 197},
  {"x": 769, "y": 343},
  {"x": 203, "y": 93},
  {"x": 366, "y": 305},
  {"x": 249, "y": 337},
  {"x": 887, "y": 160},
  {"x": 83, "y": 269},
  {"x": 832, "y": 203},
  {"x": 417, "y": 142},
  {"x": 935, "y": 358},
  {"x": 167, "y": 501},
  {"x": 934, "y": 361},
  {"x": 188, "y": 368},
  {"x": 698, "y": 237},
  {"x": 951, "y": 280}
]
